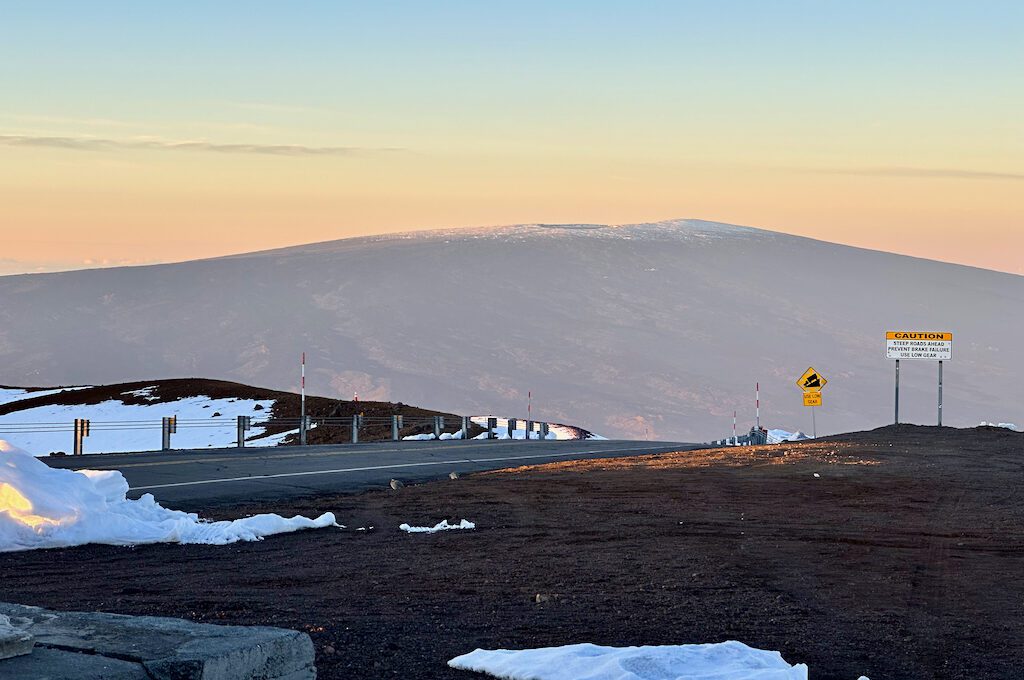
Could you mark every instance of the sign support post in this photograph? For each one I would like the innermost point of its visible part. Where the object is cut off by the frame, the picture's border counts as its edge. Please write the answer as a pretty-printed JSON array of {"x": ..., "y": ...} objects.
[
  {"x": 940, "y": 394},
  {"x": 897, "y": 391}
]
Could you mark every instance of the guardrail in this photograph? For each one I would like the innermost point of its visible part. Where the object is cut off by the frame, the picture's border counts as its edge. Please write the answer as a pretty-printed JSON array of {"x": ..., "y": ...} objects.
[
  {"x": 278, "y": 429},
  {"x": 755, "y": 437}
]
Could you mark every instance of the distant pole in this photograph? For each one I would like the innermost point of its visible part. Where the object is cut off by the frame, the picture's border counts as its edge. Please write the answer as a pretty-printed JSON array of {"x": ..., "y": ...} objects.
[
  {"x": 757, "y": 405},
  {"x": 529, "y": 406},
  {"x": 302, "y": 403},
  {"x": 734, "y": 424},
  {"x": 940, "y": 394},
  {"x": 897, "y": 391}
]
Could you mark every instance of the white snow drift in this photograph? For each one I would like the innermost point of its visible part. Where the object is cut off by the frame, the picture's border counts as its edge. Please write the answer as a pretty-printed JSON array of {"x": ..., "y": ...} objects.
[
  {"x": 443, "y": 525},
  {"x": 779, "y": 436},
  {"x": 1005, "y": 426},
  {"x": 722, "y": 661},
  {"x": 41, "y": 507}
]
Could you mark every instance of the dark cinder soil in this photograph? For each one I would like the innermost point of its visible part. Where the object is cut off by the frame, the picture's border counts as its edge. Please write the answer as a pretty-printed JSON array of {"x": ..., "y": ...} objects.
[{"x": 903, "y": 560}]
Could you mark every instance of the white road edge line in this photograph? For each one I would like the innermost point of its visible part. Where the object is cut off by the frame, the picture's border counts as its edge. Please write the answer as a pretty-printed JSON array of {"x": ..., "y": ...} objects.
[{"x": 378, "y": 467}]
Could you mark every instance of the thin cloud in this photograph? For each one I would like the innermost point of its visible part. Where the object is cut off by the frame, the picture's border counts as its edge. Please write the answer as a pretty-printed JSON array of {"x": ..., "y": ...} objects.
[
  {"x": 924, "y": 172},
  {"x": 98, "y": 144}
]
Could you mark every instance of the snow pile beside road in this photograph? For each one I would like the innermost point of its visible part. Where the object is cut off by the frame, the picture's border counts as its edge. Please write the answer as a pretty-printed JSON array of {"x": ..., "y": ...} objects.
[
  {"x": 441, "y": 526},
  {"x": 41, "y": 507},
  {"x": 723, "y": 661},
  {"x": 1005, "y": 426},
  {"x": 779, "y": 436}
]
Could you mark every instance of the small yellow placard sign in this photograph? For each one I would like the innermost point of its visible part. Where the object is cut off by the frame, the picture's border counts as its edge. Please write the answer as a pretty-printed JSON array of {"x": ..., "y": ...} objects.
[
  {"x": 811, "y": 381},
  {"x": 812, "y": 398}
]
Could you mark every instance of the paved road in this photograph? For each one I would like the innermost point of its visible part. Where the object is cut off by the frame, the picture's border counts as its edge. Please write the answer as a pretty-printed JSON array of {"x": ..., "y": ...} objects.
[{"x": 207, "y": 477}]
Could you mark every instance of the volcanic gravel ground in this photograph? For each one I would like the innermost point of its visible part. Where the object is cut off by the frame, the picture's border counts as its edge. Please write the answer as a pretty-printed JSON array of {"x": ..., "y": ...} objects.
[{"x": 903, "y": 560}]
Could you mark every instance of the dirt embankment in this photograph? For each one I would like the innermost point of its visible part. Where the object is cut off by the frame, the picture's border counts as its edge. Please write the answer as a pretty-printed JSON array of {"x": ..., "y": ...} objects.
[{"x": 892, "y": 554}]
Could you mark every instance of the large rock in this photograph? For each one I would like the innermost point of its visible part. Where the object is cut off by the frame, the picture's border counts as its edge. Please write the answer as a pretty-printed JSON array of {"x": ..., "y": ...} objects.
[
  {"x": 155, "y": 648},
  {"x": 14, "y": 640}
]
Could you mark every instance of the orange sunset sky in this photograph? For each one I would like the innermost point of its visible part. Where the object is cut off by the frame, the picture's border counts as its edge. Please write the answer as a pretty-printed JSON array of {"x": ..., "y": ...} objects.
[{"x": 133, "y": 134}]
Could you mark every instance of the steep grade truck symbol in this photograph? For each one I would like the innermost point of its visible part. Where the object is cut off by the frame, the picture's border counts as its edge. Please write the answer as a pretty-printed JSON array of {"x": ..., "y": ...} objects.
[{"x": 811, "y": 381}]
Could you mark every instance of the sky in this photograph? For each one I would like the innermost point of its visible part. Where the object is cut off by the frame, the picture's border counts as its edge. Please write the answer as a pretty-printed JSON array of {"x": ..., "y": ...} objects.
[{"x": 134, "y": 132}]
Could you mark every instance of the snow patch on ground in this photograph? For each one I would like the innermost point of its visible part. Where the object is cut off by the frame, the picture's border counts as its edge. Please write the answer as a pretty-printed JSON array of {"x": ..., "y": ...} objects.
[
  {"x": 1005, "y": 426},
  {"x": 42, "y": 507},
  {"x": 779, "y": 436},
  {"x": 441, "y": 526},
  {"x": 12, "y": 394},
  {"x": 722, "y": 661}
]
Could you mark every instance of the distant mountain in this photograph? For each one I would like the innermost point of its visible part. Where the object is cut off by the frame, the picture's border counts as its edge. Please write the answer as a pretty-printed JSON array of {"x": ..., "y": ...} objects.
[{"x": 648, "y": 330}]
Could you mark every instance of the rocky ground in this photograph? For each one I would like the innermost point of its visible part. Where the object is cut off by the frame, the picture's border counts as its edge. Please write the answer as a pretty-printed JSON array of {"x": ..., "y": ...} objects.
[{"x": 896, "y": 553}]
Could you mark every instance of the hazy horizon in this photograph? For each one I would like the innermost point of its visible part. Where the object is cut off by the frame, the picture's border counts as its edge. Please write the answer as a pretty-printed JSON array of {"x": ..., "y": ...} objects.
[{"x": 12, "y": 267}]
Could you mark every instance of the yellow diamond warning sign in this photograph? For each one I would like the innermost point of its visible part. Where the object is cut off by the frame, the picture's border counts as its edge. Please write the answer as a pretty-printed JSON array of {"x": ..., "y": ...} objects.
[
  {"x": 812, "y": 398},
  {"x": 811, "y": 381}
]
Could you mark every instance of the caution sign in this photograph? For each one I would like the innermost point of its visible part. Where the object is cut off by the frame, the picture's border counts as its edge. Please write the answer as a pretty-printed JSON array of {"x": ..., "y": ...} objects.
[
  {"x": 812, "y": 398},
  {"x": 919, "y": 345},
  {"x": 811, "y": 381}
]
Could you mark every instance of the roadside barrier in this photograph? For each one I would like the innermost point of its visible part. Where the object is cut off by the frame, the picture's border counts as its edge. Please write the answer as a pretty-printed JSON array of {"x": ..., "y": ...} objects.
[
  {"x": 755, "y": 437},
  {"x": 249, "y": 430}
]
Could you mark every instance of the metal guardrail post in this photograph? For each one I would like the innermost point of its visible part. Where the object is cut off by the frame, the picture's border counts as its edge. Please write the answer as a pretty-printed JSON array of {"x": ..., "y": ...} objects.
[
  {"x": 168, "y": 426},
  {"x": 465, "y": 427},
  {"x": 81, "y": 431},
  {"x": 528, "y": 424},
  {"x": 394, "y": 428},
  {"x": 244, "y": 423},
  {"x": 545, "y": 430},
  {"x": 491, "y": 424},
  {"x": 355, "y": 429},
  {"x": 302, "y": 430},
  {"x": 438, "y": 426}
]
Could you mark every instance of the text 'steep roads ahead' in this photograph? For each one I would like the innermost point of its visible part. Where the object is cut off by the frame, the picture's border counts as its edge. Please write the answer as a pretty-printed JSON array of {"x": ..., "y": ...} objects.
[{"x": 920, "y": 346}]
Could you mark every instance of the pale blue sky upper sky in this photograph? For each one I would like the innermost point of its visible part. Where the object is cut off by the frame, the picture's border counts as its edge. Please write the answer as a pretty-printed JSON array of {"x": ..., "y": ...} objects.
[{"x": 844, "y": 120}]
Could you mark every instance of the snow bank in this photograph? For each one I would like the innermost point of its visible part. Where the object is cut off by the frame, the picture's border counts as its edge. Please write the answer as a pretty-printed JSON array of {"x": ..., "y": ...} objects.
[
  {"x": 41, "y": 507},
  {"x": 442, "y": 526},
  {"x": 1005, "y": 426},
  {"x": 419, "y": 437},
  {"x": 722, "y": 661},
  {"x": 779, "y": 436}
]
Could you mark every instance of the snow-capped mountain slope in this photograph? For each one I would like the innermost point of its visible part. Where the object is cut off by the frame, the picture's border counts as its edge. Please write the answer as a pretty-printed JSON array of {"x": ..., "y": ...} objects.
[{"x": 656, "y": 330}]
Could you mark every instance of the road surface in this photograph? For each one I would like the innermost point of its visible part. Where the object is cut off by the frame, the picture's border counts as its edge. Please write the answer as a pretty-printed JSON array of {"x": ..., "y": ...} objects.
[{"x": 203, "y": 478}]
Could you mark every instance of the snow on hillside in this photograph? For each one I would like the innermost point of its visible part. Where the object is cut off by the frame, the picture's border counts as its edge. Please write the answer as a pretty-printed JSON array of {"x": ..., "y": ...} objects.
[
  {"x": 117, "y": 427},
  {"x": 11, "y": 394},
  {"x": 42, "y": 507}
]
